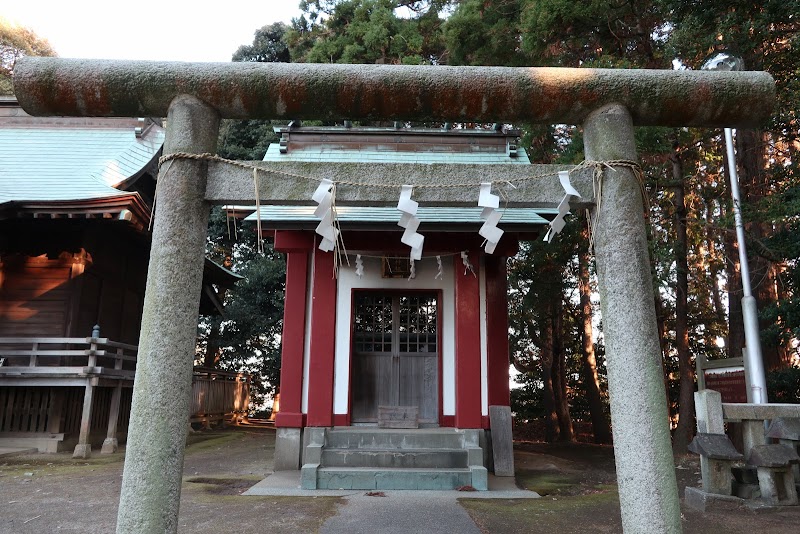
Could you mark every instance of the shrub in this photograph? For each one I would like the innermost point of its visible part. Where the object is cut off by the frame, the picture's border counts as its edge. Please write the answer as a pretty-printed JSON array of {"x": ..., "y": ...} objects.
[{"x": 783, "y": 385}]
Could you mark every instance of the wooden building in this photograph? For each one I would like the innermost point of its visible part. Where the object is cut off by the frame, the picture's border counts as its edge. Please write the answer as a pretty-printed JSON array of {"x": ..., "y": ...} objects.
[
  {"x": 75, "y": 206},
  {"x": 372, "y": 340}
]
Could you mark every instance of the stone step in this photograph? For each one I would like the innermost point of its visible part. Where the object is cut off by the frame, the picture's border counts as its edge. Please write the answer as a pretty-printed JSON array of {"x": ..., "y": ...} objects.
[
  {"x": 392, "y": 479},
  {"x": 395, "y": 458},
  {"x": 374, "y": 438}
]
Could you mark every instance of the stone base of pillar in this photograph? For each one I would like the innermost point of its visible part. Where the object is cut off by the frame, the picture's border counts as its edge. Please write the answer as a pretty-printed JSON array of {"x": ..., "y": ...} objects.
[
  {"x": 110, "y": 446},
  {"x": 288, "y": 446},
  {"x": 746, "y": 491},
  {"x": 711, "y": 502},
  {"x": 82, "y": 451},
  {"x": 777, "y": 486}
]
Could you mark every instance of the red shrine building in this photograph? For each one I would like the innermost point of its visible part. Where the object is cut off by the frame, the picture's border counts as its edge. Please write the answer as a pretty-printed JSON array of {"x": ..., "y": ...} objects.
[{"x": 389, "y": 366}]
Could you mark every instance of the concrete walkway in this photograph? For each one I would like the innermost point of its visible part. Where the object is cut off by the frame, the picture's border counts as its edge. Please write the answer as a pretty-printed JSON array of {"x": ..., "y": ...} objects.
[
  {"x": 394, "y": 511},
  {"x": 401, "y": 512},
  {"x": 287, "y": 483}
]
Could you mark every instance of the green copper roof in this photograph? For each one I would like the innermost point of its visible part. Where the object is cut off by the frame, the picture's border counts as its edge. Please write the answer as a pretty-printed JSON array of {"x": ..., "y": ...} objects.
[
  {"x": 50, "y": 161},
  {"x": 380, "y": 156},
  {"x": 403, "y": 145},
  {"x": 302, "y": 216},
  {"x": 397, "y": 145}
]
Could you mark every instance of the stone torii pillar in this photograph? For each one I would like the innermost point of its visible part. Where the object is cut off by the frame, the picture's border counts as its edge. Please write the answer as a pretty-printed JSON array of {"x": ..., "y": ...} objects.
[
  {"x": 608, "y": 103},
  {"x": 151, "y": 483},
  {"x": 648, "y": 491}
]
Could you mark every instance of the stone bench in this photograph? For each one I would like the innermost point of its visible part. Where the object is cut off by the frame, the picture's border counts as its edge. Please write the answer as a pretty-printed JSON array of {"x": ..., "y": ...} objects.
[
  {"x": 773, "y": 464},
  {"x": 787, "y": 432},
  {"x": 717, "y": 455}
]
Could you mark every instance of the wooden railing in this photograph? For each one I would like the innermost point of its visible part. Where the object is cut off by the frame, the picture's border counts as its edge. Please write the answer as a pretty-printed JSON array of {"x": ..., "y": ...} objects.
[
  {"x": 218, "y": 395},
  {"x": 41, "y": 382},
  {"x": 53, "y": 388},
  {"x": 66, "y": 357}
]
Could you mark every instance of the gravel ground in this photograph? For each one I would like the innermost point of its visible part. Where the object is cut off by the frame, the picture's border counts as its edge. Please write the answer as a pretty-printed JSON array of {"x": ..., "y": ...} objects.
[{"x": 44, "y": 493}]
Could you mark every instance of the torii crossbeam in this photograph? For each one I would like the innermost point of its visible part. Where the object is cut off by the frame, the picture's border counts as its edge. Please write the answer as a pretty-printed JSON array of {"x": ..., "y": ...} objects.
[{"x": 194, "y": 96}]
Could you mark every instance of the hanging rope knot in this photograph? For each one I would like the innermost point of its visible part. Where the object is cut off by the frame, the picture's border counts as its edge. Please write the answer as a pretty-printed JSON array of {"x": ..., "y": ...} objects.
[
  {"x": 613, "y": 164},
  {"x": 598, "y": 169},
  {"x": 382, "y": 184},
  {"x": 206, "y": 156},
  {"x": 597, "y": 186}
]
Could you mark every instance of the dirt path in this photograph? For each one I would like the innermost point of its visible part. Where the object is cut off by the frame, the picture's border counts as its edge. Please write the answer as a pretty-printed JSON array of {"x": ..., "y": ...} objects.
[
  {"x": 54, "y": 493},
  {"x": 579, "y": 495}
]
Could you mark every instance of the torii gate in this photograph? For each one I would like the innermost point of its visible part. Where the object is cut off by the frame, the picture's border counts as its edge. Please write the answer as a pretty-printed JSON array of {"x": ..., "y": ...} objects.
[{"x": 195, "y": 96}]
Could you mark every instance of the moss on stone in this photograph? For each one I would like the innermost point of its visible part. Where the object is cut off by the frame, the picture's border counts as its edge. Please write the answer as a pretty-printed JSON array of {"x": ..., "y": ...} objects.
[{"x": 598, "y": 511}]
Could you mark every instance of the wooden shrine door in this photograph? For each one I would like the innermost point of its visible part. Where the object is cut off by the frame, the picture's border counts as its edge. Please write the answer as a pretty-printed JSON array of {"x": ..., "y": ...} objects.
[{"x": 395, "y": 354}]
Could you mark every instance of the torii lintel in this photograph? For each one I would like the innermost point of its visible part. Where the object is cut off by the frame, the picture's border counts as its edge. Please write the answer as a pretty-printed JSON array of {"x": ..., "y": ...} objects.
[
  {"x": 78, "y": 87},
  {"x": 528, "y": 186}
]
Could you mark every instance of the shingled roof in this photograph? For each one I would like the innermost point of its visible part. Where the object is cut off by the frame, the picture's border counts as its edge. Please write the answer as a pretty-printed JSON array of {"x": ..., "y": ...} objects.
[
  {"x": 74, "y": 166},
  {"x": 398, "y": 144}
]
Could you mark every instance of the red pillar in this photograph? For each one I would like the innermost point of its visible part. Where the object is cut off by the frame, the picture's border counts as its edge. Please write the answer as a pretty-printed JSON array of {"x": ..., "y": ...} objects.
[
  {"x": 323, "y": 330},
  {"x": 497, "y": 330},
  {"x": 468, "y": 344},
  {"x": 297, "y": 246}
]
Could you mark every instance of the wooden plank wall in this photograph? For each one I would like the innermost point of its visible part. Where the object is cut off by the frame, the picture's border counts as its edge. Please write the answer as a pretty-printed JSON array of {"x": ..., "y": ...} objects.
[
  {"x": 33, "y": 409},
  {"x": 112, "y": 287},
  {"x": 90, "y": 274},
  {"x": 73, "y": 406},
  {"x": 219, "y": 397},
  {"x": 25, "y": 409},
  {"x": 34, "y": 295},
  {"x": 124, "y": 410}
]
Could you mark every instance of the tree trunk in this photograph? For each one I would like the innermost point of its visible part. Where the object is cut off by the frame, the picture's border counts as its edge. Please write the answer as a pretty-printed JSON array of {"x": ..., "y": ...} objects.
[
  {"x": 212, "y": 354},
  {"x": 750, "y": 145},
  {"x": 685, "y": 429},
  {"x": 559, "y": 377},
  {"x": 601, "y": 428},
  {"x": 716, "y": 298},
  {"x": 735, "y": 341},
  {"x": 549, "y": 401},
  {"x": 661, "y": 325}
]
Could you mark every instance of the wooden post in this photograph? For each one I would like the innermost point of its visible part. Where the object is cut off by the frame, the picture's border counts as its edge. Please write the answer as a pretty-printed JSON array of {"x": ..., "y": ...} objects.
[
  {"x": 84, "y": 449},
  {"x": 111, "y": 443},
  {"x": 34, "y": 361},
  {"x": 55, "y": 409},
  {"x": 321, "y": 357},
  {"x": 468, "y": 343}
]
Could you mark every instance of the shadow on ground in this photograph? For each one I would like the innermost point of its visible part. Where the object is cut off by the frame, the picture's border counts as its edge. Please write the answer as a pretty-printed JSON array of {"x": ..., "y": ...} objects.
[
  {"x": 579, "y": 495},
  {"x": 54, "y": 493}
]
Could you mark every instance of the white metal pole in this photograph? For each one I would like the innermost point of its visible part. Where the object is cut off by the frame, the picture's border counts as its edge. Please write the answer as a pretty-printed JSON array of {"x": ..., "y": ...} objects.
[{"x": 753, "y": 360}]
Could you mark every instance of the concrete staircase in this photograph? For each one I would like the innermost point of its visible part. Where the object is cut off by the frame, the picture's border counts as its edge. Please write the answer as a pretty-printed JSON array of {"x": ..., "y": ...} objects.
[{"x": 368, "y": 458}]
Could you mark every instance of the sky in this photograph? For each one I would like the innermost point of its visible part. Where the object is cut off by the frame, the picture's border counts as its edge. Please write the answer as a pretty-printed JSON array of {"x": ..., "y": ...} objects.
[{"x": 165, "y": 30}]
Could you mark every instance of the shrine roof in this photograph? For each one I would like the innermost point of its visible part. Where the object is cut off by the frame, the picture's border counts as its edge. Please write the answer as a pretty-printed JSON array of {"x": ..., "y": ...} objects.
[
  {"x": 397, "y": 145},
  {"x": 59, "y": 159},
  {"x": 446, "y": 218},
  {"x": 342, "y": 144}
]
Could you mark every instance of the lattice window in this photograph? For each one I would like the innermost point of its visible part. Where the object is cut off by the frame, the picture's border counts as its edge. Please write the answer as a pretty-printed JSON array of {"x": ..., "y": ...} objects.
[
  {"x": 417, "y": 324},
  {"x": 373, "y": 323}
]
